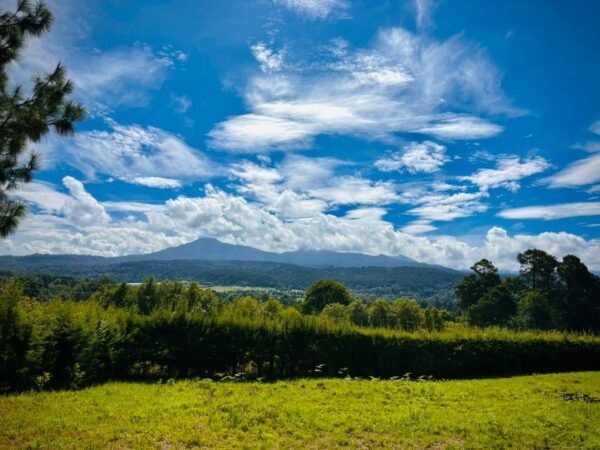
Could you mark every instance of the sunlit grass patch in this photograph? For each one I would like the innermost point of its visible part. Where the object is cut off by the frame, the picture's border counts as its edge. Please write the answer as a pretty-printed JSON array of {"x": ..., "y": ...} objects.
[{"x": 541, "y": 411}]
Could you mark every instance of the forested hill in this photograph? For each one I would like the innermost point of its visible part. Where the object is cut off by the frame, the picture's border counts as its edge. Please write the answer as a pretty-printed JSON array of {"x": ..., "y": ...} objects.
[{"x": 421, "y": 282}]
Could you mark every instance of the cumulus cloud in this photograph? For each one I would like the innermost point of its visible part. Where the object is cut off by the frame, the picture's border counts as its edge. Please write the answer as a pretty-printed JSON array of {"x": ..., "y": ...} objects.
[
  {"x": 235, "y": 219},
  {"x": 315, "y": 9},
  {"x": 551, "y": 212},
  {"x": 400, "y": 84},
  {"x": 131, "y": 153},
  {"x": 82, "y": 208},
  {"x": 416, "y": 157}
]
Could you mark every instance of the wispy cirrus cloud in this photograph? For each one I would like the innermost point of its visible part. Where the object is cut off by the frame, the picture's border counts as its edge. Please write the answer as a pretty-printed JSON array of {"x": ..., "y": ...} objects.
[
  {"x": 134, "y": 154},
  {"x": 552, "y": 212},
  {"x": 401, "y": 84},
  {"x": 579, "y": 173},
  {"x": 315, "y": 9},
  {"x": 582, "y": 172},
  {"x": 120, "y": 76}
]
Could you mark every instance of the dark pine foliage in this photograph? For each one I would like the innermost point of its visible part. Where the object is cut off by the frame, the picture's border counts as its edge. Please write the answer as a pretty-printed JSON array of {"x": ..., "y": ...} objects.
[{"x": 26, "y": 118}]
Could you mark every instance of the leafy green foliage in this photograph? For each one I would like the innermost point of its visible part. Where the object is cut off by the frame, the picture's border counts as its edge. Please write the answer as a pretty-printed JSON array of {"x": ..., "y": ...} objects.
[
  {"x": 323, "y": 293},
  {"x": 534, "y": 311},
  {"x": 170, "y": 330}
]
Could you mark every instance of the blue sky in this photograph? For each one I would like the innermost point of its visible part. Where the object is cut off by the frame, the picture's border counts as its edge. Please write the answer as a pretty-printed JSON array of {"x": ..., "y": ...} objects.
[{"x": 447, "y": 130}]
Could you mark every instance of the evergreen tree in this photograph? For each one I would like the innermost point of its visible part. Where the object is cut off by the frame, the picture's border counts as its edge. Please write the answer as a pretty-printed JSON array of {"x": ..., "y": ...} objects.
[
  {"x": 539, "y": 269},
  {"x": 474, "y": 286},
  {"x": 579, "y": 294},
  {"x": 26, "y": 118}
]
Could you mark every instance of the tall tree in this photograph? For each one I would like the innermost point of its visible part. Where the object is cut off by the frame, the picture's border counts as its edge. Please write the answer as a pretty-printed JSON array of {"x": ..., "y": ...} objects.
[
  {"x": 27, "y": 117},
  {"x": 580, "y": 293},
  {"x": 474, "y": 286},
  {"x": 539, "y": 269}
]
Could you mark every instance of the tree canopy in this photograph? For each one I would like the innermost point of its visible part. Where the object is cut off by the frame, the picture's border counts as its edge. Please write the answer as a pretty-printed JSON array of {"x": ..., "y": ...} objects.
[
  {"x": 323, "y": 293},
  {"x": 547, "y": 294}
]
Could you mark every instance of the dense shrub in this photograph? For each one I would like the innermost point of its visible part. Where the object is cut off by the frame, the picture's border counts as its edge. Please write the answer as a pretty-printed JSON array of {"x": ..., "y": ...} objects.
[{"x": 67, "y": 345}]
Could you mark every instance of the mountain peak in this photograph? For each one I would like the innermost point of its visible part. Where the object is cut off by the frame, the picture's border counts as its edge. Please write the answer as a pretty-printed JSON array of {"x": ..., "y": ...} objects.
[{"x": 211, "y": 249}]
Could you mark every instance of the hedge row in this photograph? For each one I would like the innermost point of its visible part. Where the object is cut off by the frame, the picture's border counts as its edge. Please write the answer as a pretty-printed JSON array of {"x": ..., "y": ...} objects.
[{"x": 71, "y": 345}]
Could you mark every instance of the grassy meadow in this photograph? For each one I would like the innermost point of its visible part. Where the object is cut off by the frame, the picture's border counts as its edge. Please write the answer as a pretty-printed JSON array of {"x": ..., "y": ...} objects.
[{"x": 537, "y": 411}]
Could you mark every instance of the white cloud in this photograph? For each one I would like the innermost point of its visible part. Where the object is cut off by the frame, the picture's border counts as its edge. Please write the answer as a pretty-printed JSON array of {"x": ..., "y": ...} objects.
[
  {"x": 508, "y": 172},
  {"x": 78, "y": 206},
  {"x": 594, "y": 189},
  {"x": 82, "y": 208},
  {"x": 157, "y": 182},
  {"x": 131, "y": 153},
  {"x": 42, "y": 195},
  {"x": 416, "y": 157},
  {"x": 579, "y": 173},
  {"x": 443, "y": 207},
  {"x": 315, "y": 9},
  {"x": 424, "y": 8},
  {"x": 269, "y": 60},
  {"x": 309, "y": 185},
  {"x": 551, "y": 212},
  {"x": 234, "y": 219},
  {"x": 403, "y": 83},
  {"x": 419, "y": 227},
  {"x": 461, "y": 127},
  {"x": 114, "y": 77}
]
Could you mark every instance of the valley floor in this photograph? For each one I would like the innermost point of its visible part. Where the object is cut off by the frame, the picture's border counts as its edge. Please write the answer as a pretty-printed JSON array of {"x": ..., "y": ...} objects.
[{"x": 540, "y": 411}]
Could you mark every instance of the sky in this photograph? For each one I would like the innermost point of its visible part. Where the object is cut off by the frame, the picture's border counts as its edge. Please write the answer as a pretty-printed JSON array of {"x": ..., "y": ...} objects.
[{"x": 446, "y": 131}]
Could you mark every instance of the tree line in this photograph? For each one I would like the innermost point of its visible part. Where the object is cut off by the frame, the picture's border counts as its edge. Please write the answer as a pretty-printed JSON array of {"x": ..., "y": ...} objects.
[
  {"x": 547, "y": 294},
  {"x": 172, "y": 329}
]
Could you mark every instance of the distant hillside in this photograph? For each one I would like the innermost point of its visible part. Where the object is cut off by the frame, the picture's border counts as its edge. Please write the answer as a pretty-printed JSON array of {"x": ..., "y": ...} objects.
[
  {"x": 212, "y": 262},
  {"x": 429, "y": 284}
]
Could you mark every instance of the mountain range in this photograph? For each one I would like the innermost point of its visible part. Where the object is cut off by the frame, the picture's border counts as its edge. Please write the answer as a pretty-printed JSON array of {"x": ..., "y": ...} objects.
[
  {"x": 215, "y": 263},
  {"x": 208, "y": 249}
]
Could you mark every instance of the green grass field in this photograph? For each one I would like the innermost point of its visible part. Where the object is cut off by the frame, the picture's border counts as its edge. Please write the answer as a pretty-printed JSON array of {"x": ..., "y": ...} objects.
[{"x": 519, "y": 412}]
